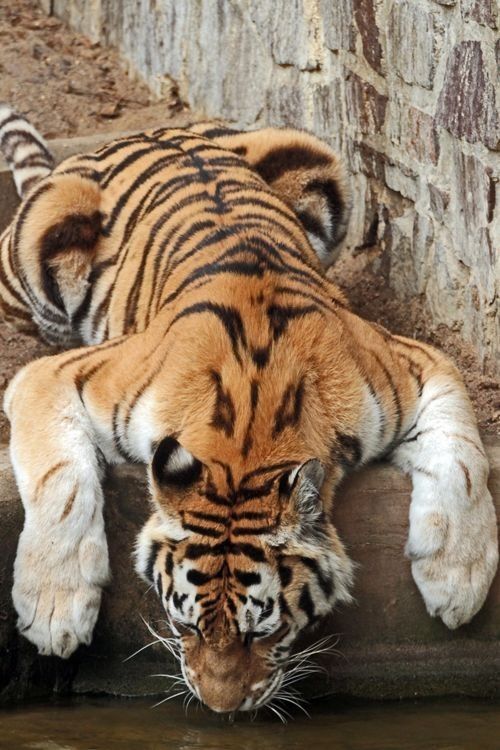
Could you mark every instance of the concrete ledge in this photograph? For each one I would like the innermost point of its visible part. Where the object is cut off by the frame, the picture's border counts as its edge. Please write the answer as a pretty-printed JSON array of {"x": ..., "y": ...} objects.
[{"x": 390, "y": 647}]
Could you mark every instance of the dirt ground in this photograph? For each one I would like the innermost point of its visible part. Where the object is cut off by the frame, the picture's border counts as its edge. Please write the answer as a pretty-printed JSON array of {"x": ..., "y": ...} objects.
[{"x": 68, "y": 86}]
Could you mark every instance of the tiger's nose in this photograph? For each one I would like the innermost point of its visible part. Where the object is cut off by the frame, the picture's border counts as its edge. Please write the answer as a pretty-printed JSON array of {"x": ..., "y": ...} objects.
[
  {"x": 223, "y": 677},
  {"x": 222, "y": 697}
]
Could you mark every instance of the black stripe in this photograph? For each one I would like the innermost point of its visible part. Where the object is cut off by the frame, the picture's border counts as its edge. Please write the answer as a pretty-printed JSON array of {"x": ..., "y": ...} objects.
[
  {"x": 395, "y": 395},
  {"x": 325, "y": 581},
  {"x": 285, "y": 574},
  {"x": 260, "y": 356},
  {"x": 267, "y": 469},
  {"x": 153, "y": 554},
  {"x": 195, "y": 551},
  {"x": 249, "y": 515},
  {"x": 253, "y": 530},
  {"x": 280, "y": 316},
  {"x": 306, "y": 604},
  {"x": 224, "y": 413},
  {"x": 329, "y": 189},
  {"x": 228, "y": 316},
  {"x": 249, "y": 550},
  {"x": 169, "y": 564},
  {"x": 202, "y": 530},
  {"x": 117, "y": 440},
  {"x": 211, "y": 517},
  {"x": 198, "y": 578},
  {"x": 254, "y": 399},
  {"x": 289, "y": 158},
  {"x": 348, "y": 449},
  {"x": 289, "y": 410},
  {"x": 247, "y": 578}
]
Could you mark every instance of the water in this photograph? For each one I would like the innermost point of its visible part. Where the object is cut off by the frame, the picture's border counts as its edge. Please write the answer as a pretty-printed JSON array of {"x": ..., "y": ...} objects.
[{"x": 134, "y": 725}]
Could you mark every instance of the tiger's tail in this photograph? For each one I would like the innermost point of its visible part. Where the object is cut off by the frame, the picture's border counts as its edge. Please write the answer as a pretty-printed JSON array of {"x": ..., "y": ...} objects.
[{"x": 24, "y": 150}]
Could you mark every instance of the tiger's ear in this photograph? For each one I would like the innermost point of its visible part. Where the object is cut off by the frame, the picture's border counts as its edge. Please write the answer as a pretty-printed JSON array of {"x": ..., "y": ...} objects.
[
  {"x": 301, "y": 501},
  {"x": 175, "y": 467},
  {"x": 304, "y": 484}
]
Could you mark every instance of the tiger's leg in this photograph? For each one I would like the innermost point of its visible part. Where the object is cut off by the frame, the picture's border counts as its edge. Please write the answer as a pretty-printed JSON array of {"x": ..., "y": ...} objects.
[
  {"x": 416, "y": 412},
  {"x": 452, "y": 542},
  {"x": 61, "y": 410},
  {"x": 306, "y": 174}
]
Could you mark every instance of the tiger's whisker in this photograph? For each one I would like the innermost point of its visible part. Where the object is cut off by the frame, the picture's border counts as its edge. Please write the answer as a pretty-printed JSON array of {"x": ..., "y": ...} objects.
[
  {"x": 148, "y": 645},
  {"x": 275, "y": 711},
  {"x": 169, "y": 698}
]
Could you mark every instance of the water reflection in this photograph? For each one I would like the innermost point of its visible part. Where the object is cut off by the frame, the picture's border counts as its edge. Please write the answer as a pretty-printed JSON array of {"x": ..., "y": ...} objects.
[{"x": 133, "y": 725}]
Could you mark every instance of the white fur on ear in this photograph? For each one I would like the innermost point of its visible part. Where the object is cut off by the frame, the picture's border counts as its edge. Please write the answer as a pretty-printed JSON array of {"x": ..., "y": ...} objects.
[
  {"x": 311, "y": 470},
  {"x": 179, "y": 459},
  {"x": 292, "y": 476},
  {"x": 174, "y": 466}
]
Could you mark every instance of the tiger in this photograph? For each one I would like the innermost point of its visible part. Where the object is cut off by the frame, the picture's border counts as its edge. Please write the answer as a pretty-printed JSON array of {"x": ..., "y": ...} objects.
[{"x": 183, "y": 272}]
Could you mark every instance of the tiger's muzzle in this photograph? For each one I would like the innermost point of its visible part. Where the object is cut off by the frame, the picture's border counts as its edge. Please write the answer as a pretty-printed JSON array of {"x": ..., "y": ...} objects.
[{"x": 229, "y": 677}]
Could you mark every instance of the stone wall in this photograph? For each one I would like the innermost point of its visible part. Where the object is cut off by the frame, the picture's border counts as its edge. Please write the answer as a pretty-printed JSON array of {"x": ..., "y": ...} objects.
[{"x": 406, "y": 89}]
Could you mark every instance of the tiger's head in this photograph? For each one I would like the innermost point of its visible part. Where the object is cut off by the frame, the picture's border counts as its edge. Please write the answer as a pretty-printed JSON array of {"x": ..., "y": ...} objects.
[{"x": 242, "y": 565}]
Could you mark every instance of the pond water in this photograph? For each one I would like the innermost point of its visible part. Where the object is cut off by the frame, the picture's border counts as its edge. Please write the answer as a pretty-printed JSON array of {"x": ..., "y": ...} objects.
[{"x": 134, "y": 725}]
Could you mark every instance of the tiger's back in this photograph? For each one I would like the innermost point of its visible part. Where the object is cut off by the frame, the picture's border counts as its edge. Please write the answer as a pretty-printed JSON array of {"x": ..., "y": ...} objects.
[{"x": 130, "y": 230}]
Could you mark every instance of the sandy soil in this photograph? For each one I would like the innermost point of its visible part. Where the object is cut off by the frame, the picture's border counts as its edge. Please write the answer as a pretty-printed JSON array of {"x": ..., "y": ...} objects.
[
  {"x": 65, "y": 84},
  {"x": 68, "y": 86}
]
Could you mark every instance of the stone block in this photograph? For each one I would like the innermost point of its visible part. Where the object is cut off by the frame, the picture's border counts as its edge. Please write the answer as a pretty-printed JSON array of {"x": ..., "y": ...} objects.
[
  {"x": 327, "y": 112},
  {"x": 396, "y": 243},
  {"x": 371, "y": 162},
  {"x": 466, "y": 105},
  {"x": 364, "y": 14},
  {"x": 338, "y": 24},
  {"x": 421, "y": 136},
  {"x": 402, "y": 179},
  {"x": 286, "y": 104},
  {"x": 439, "y": 200},
  {"x": 294, "y": 43},
  {"x": 446, "y": 280},
  {"x": 414, "y": 131},
  {"x": 484, "y": 12},
  {"x": 473, "y": 198},
  {"x": 365, "y": 106},
  {"x": 422, "y": 244},
  {"x": 413, "y": 43}
]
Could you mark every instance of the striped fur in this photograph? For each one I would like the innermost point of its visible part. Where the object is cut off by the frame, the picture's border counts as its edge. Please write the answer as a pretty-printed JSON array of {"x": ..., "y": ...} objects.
[
  {"x": 24, "y": 149},
  {"x": 190, "y": 265}
]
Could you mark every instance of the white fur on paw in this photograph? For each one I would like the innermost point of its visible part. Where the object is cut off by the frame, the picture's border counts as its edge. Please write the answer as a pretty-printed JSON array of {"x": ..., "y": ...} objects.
[
  {"x": 57, "y": 626},
  {"x": 56, "y": 602},
  {"x": 454, "y": 559}
]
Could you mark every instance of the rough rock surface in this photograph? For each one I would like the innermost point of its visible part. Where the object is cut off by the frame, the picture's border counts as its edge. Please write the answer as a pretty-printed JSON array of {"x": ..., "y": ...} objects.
[{"x": 409, "y": 90}]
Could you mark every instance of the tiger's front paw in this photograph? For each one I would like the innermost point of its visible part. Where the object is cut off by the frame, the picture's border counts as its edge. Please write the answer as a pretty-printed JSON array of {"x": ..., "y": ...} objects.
[
  {"x": 57, "y": 593},
  {"x": 454, "y": 559}
]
